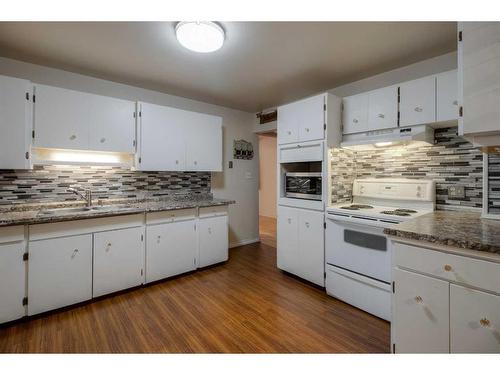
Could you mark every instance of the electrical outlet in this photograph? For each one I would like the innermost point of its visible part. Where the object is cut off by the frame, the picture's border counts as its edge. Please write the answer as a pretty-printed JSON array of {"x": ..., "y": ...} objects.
[{"x": 456, "y": 192}]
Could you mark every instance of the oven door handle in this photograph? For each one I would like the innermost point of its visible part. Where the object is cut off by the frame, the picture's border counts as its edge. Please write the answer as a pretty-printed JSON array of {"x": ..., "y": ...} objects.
[{"x": 360, "y": 220}]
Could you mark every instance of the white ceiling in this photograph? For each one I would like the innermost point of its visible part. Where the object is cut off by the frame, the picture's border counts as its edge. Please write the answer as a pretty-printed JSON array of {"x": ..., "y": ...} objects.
[{"x": 262, "y": 64}]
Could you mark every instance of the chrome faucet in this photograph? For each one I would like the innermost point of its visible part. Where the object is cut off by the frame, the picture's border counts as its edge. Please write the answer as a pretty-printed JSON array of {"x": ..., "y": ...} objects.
[{"x": 87, "y": 197}]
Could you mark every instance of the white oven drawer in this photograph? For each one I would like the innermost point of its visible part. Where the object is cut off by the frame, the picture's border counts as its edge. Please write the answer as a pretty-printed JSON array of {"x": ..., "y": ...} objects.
[{"x": 464, "y": 270}]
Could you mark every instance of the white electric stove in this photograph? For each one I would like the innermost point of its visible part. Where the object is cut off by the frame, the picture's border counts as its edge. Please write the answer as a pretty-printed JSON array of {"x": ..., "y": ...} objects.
[{"x": 357, "y": 253}]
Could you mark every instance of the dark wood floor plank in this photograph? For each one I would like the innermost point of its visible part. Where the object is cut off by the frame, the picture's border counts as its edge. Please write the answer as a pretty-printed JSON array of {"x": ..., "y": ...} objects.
[{"x": 243, "y": 306}]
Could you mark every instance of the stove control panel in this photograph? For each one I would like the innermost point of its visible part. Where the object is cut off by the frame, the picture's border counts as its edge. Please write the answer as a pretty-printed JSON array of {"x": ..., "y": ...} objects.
[{"x": 401, "y": 189}]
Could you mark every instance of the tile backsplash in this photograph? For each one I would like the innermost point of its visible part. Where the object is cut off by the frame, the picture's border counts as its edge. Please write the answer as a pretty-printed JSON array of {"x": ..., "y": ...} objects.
[
  {"x": 494, "y": 184},
  {"x": 450, "y": 161},
  {"x": 50, "y": 183}
]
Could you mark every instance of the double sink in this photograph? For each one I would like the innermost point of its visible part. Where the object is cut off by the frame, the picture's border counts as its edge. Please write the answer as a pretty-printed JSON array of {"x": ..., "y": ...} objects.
[{"x": 78, "y": 210}]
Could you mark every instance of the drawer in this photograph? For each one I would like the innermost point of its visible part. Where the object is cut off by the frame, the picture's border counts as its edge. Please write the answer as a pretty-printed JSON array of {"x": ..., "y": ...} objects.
[
  {"x": 12, "y": 234},
  {"x": 170, "y": 216},
  {"x": 469, "y": 271},
  {"x": 474, "y": 321},
  {"x": 213, "y": 211},
  {"x": 310, "y": 151}
]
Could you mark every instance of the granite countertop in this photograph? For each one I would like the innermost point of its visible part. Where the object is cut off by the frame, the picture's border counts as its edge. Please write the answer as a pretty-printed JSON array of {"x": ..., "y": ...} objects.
[
  {"x": 465, "y": 230},
  {"x": 55, "y": 212}
]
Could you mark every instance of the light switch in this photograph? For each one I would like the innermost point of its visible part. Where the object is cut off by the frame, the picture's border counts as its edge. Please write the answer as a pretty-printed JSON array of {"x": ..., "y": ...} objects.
[{"x": 248, "y": 175}]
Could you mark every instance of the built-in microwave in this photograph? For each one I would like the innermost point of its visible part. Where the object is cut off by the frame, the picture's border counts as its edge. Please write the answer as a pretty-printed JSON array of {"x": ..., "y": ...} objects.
[{"x": 303, "y": 185}]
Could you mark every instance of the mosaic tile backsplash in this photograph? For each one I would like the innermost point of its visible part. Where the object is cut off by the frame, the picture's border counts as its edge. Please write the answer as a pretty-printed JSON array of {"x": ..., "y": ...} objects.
[
  {"x": 494, "y": 184},
  {"x": 50, "y": 183},
  {"x": 450, "y": 161}
]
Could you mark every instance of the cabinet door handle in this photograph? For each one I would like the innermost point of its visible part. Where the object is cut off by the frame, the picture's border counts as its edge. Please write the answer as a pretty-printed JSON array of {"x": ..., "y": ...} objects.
[
  {"x": 103, "y": 140},
  {"x": 195, "y": 162},
  {"x": 355, "y": 120},
  {"x": 289, "y": 132},
  {"x": 177, "y": 162},
  {"x": 485, "y": 322},
  {"x": 289, "y": 221},
  {"x": 74, "y": 253},
  {"x": 210, "y": 230},
  {"x": 419, "y": 300},
  {"x": 381, "y": 115},
  {"x": 307, "y": 224},
  {"x": 108, "y": 246},
  {"x": 447, "y": 268},
  {"x": 307, "y": 130},
  {"x": 158, "y": 239},
  {"x": 418, "y": 109},
  {"x": 455, "y": 102},
  {"x": 73, "y": 137}
]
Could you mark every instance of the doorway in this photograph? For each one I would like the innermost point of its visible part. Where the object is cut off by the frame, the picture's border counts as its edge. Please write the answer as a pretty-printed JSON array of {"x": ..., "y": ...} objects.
[{"x": 267, "y": 188}]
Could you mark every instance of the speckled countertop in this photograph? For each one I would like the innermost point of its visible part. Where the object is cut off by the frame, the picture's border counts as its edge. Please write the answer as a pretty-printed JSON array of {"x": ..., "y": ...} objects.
[
  {"x": 56, "y": 212},
  {"x": 464, "y": 230}
]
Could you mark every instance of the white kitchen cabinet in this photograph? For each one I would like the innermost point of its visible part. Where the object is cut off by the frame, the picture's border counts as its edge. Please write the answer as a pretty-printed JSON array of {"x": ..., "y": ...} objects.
[
  {"x": 59, "y": 272},
  {"x": 300, "y": 243},
  {"x": 383, "y": 108},
  {"x": 213, "y": 240},
  {"x": 479, "y": 81},
  {"x": 474, "y": 321},
  {"x": 311, "y": 254},
  {"x": 418, "y": 101},
  {"x": 446, "y": 96},
  {"x": 67, "y": 119},
  {"x": 287, "y": 239},
  {"x": 421, "y": 313},
  {"x": 172, "y": 139},
  {"x": 163, "y": 138},
  {"x": 15, "y": 123},
  {"x": 203, "y": 142},
  {"x": 171, "y": 249},
  {"x": 12, "y": 274},
  {"x": 288, "y": 130},
  {"x": 355, "y": 114},
  {"x": 118, "y": 260}
]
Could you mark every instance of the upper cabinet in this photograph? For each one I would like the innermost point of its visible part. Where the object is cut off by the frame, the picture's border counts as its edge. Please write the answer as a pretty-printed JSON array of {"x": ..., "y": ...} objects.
[
  {"x": 447, "y": 96},
  {"x": 67, "y": 119},
  {"x": 383, "y": 108},
  {"x": 355, "y": 113},
  {"x": 479, "y": 81},
  {"x": 418, "y": 101},
  {"x": 15, "y": 123},
  {"x": 314, "y": 118},
  {"x": 175, "y": 140}
]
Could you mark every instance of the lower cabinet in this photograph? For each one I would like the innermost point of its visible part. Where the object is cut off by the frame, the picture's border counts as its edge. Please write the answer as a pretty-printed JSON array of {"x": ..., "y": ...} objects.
[
  {"x": 118, "y": 260},
  {"x": 59, "y": 272},
  {"x": 421, "y": 313},
  {"x": 171, "y": 249},
  {"x": 12, "y": 280},
  {"x": 301, "y": 249},
  {"x": 474, "y": 321},
  {"x": 213, "y": 240}
]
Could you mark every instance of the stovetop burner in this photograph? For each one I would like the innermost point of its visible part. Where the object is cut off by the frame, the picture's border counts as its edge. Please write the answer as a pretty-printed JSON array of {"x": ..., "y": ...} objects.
[
  {"x": 406, "y": 210},
  {"x": 356, "y": 207},
  {"x": 349, "y": 208},
  {"x": 395, "y": 212}
]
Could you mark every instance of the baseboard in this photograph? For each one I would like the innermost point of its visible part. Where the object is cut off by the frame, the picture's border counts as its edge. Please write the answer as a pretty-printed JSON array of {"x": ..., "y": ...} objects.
[{"x": 244, "y": 242}]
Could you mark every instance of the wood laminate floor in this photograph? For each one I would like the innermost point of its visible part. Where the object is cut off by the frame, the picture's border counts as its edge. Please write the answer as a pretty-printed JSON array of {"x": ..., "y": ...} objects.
[{"x": 243, "y": 306}]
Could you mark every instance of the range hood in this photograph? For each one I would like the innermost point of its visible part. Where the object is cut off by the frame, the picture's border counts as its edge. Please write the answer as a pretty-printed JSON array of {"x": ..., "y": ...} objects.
[{"x": 417, "y": 135}]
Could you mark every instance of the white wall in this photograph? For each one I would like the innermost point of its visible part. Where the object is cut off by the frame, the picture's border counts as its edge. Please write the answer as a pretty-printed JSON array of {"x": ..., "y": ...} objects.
[
  {"x": 239, "y": 183},
  {"x": 267, "y": 175}
]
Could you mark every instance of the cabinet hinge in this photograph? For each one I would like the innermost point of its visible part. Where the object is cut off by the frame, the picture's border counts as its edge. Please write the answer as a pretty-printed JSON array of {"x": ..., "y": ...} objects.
[
  {"x": 140, "y": 160},
  {"x": 25, "y": 301},
  {"x": 134, "y": 143},
  {"x": 324, "y": 225},
  {"x": 461, "y": 111},
  {"x": 27, "y": 155},
  {"x": 324, "y": 126},
  {"x": 135, "y": 114},
  {"x": 324, "y": 275},
  {"x": 140, "y": 113},
  {"x": 324, "y": 107},
  {"x": 394, "y": 348},
  {"x": 195, "y": 227},
  {"x": 27, "y": 96},
  {"x": 194, "y": 261},
  {"x": 393, "y": 287},
  {"x": 142, "y": 237},
  {"x": 399, "y": 116},
  {"x": 33, "y": 134},
  {"x": 34, "y": 98},
  {"x": 142, "y": 271},
  {"x": 26, "y": 256},
  {"x": 460, "y": 36}
]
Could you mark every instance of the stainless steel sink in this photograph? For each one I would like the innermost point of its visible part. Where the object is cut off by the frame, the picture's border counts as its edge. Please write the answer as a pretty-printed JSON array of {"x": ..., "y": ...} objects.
[{"x": 74, "y": 210}]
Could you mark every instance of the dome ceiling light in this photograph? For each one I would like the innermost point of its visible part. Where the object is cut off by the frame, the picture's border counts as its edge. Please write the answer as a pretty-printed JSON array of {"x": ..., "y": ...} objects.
[{"x": 200, "y": 36}]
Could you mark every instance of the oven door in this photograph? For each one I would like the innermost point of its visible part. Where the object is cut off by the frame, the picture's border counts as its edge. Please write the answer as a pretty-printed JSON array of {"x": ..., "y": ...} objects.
[{"x": 358, "y": 245}]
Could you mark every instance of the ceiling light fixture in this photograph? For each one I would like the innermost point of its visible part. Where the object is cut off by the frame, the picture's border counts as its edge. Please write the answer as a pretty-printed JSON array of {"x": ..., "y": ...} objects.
[{"x": 200, "y": 36}]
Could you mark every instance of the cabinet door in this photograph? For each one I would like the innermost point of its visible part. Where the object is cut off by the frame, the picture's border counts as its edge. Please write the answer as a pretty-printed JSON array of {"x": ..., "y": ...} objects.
[
  {"x": 15, "y": 123},
  {"x": 311, "y": 118},
  {"x": 203, "y": 142},
  {"x": 311, "y": 252},
  {"x": 418, "y": 102},
  {"x": 61, "y": 118},
  {"x": 163, "y": 143},
  {"x": 355, "y": 114},
  {"x": 421, "y": 314},
  {"x": 288, "y": 239},
  {"x": 446, "y": 96},
  {"x": 118, "y": 260},
  {"x": 288, "y": 128},
  {"x": 171, "y": 249},
  {"x": 474, "y": 321},
  {"x": 213, "y": 240},
  {"x": 479, "y": 65},
  {"x": 383, "y": 108},
  {"x": 12, "y": 281},
  {"x": 59, "y": 273},
  {"x": 112, "y": 124}
]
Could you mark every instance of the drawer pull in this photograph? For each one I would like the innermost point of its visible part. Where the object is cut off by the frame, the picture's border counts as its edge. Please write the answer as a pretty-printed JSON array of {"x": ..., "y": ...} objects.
[
  {"x": 307, "y": 224},
  {"x": 418, "y": 109},
  {"x": 74, "y": 253},
  {"x": 455, "y": 102},
  {"x": 419, "y": 299},
  {"x": 485, "y": 322},
  {"x": 108, "y": 246},
  {"x": 210, "y": 230},
  {"x": 447, "y": 268},
  {"x": 381, "y": 115},
  {"x": 289, "y": 132},
  {"x": 355, "y": 120},
  {"x": 307, "y": 130},
  {"x": 289, "y": 221},
  {"x": 103, "y": 140},
  {"x": 73, "y": 137}
]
